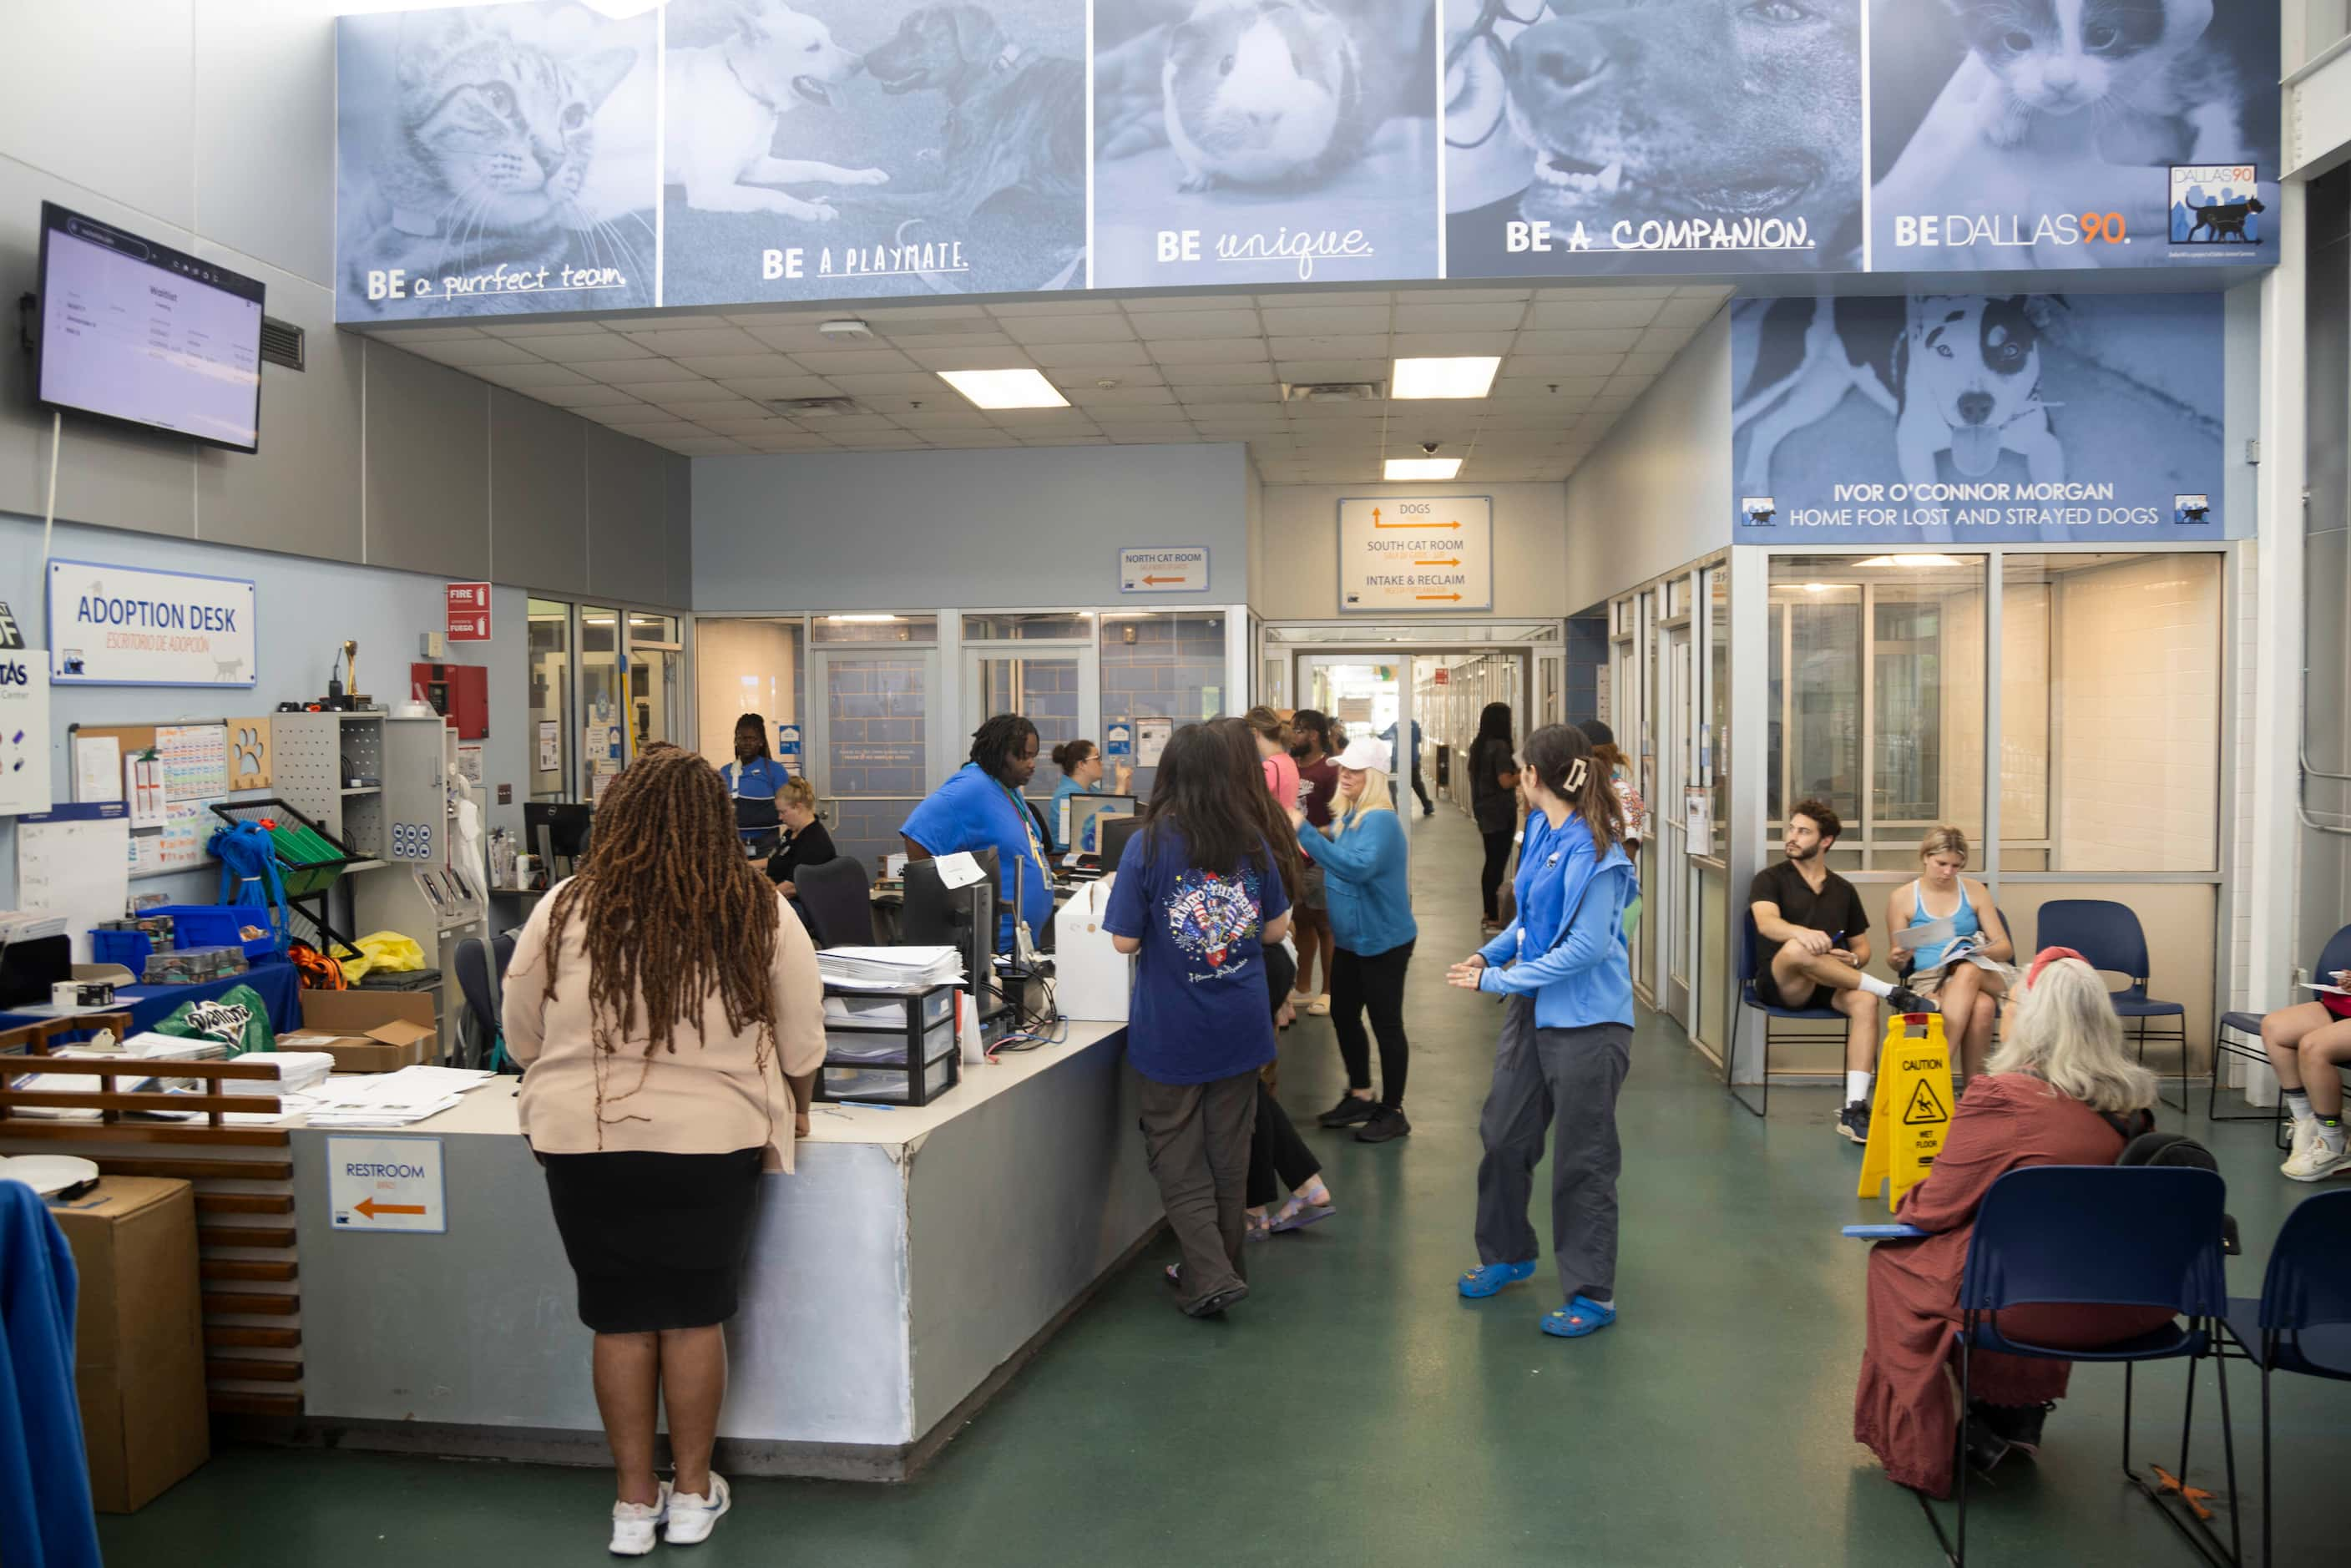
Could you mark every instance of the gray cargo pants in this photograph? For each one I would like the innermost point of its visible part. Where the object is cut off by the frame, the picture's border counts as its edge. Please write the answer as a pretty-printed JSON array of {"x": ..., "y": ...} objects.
[{"x": 1567, "y": 1080}]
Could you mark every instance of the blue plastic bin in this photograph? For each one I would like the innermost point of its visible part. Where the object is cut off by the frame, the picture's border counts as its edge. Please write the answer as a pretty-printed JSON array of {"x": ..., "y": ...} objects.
[{"x": 192, "y": 926}]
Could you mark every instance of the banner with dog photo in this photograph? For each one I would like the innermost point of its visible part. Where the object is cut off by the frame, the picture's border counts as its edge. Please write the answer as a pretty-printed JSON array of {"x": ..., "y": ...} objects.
[
  {"x": 1715, "y": 136},
  {"x": 1978, "y": 418},
  {"x": 2071, "y": 133},
  {"x": 1240, "y": 142},
  {"x": 494, "y": 160},
  {"x": 832, "y": 150}
]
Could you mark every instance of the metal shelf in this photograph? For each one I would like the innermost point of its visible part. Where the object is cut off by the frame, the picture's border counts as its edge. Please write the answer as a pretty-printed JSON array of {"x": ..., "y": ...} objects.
[{"x": 362, "y": 790}]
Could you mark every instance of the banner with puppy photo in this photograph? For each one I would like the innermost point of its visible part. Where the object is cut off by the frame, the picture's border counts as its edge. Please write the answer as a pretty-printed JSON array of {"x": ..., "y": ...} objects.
[
  {"x": 2009, "y": 134},
  {"x": 843, "y": 150},
  {"x": 1714, "y": 136},
  {"x": 494, "y": 160},
  {"x": 1246, "y": 142},
  {"x": 1977, "y": 418}
]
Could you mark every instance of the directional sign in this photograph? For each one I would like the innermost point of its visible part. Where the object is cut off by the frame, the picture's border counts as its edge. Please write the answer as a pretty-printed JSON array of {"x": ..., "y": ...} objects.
[
  {"x": 386, "y": 1185},
  {"x": 1415, "y": 554},
  {"x": 1164, "y": 568}
]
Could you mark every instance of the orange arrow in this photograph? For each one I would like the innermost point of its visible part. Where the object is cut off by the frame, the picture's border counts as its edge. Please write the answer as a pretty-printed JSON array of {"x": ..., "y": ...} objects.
[
  {"x": 1439, "y": 561},
  {"x": 1377, "y": 524},
  {"x": 1454, "y": 597},
  {"x": 1152, "y": 580},
  {"x": 371, "y": 1207},
  {"x": 1375, "y": 517}
]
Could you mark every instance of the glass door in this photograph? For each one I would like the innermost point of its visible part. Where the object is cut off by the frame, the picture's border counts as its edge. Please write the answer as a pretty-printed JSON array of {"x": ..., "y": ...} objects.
[
  {"x": 549, "y": 622},
  {"x": 1676, "y": 892},
  {"x": 870, "y": 742},
  {"x": 656, "y": 657}
]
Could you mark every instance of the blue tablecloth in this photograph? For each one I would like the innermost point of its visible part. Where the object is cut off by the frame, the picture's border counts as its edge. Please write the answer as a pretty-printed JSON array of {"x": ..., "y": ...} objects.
[{"x": 278, "y": 983}]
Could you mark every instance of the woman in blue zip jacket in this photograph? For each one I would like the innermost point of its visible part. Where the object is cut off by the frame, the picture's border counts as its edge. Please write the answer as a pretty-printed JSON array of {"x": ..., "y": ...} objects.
[
  {"x": 1366, "y": 884},
  {"x": 1567, "y": 1036}
]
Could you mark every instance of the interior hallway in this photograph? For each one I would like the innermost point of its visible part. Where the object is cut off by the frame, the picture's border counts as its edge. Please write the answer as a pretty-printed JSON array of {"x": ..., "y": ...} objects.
[{"x": 1355, "y": 1410}]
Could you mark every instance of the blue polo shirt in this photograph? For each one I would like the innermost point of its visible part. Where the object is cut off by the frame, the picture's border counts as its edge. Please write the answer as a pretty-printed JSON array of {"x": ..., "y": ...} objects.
[
  {"x": 973, "y": 810},
  {"x": 758, "y": 779}
]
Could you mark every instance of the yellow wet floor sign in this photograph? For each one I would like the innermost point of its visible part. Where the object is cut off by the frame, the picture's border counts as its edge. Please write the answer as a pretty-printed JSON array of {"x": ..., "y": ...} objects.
[{"x": 1912, "y": 1109}]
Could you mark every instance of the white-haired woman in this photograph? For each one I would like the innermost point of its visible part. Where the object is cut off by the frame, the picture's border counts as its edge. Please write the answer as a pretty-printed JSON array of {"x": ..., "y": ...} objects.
[{"x": 2058, "y": 1092}]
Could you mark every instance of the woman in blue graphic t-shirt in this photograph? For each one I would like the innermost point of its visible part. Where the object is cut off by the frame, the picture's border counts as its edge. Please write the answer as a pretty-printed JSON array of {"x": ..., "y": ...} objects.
[{"x": 1197, "y": 899}]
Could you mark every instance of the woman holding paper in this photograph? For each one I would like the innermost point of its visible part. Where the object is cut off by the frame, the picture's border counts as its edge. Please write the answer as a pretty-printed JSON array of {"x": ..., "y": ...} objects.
[{"x": 1947, "y": 927}]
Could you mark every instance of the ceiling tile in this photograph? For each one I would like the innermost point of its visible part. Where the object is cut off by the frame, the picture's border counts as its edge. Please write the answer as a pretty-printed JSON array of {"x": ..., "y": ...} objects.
[
  {"x": 959, "y": 417},
  {"x": 1230, "y": 397},
  {"x": 1615, "y": 341},
  {"x": 1163, "y": 304},
  {"x": 737, "y": 367},
  {"x": 593, "y": 394},
  {"x": 626, "y": 414},
  {"x": 1124, "y": 397},
  {"x": 1512, "y": 383},
  {"x": 1601, "y": 312},
  {"x": 745, "y": 424},
  {"x": 913, "y": 340},
  {"x": 966, "y": 359},
  {"x": 1650, "y": 366},
  {"x": 1461, "y": 296},
  {"x": 576, "y": 348},
  {"x": 1070, "y": 329},
  {"x": 1209, "y": 351},
  {"x": 1558, "y": 367},
  {"x": 1297, "y": 371},
  {"x": 791, "y": 337},
  {"x": 529, "y": 378},
  {"x": 1083, "y": 356},
  {"x": 1074, "y": 304},
  {"x": 1597, "y": 289},
  {"x": 1202, "y": 324},
  {"x": 531, "y": 328},
  {"x": 1458, "y": 318},
  {"x": 1413, "y": 345},
  {"x": 824, "y": 361},
  {"x": 1685, "y": 312},
  {"x": 672, "y": 394},
  {"x": 925, "y": 316},
  {"x": 402, "y": 337},
  {"x": 1153, "y": 435},
  {"x": 660, "y": 429},
  {"x": 666, "y": 338},
  {"x": 1339, "y": 346},
  {"x": 882, "y": 440},
  {"x": 1285, "y": 322},
  {"x": 703, "y": 446},
  {"x": 633, "y": 372},
  {"x": 1323, "y": 299},
  {"x": 1122, "y": 375},
  {"x": 467, "y": 354},
  {"x": 1665, "y": 339},
  {"x": 1253, "y": 372},
  {"x": 877, "y": 384}
]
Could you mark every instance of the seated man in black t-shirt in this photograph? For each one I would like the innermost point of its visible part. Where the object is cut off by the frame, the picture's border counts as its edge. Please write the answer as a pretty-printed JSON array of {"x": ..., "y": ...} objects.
[{"x": 1812, "y": 937}]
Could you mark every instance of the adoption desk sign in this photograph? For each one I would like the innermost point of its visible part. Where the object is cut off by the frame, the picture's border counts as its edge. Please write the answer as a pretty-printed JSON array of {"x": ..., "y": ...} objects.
[
  {"x": 119, "y": 626},
  {"x": 1164, "y": 568},
  {"x": 1415, "y": 554},
  {"x": 387, "y": 1185},
  {"x": 1978, "y": 419}
]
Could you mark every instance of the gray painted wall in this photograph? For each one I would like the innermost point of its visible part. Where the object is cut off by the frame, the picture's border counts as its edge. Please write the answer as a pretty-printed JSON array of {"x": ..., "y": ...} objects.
[
  {"x": 895, "y": 531},
  {"x": 1657, "y": 493}
]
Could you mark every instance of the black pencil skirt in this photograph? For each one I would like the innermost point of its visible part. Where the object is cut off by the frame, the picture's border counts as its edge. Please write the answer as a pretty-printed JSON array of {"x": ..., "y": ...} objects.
[{"x": 657, "y": 1242}]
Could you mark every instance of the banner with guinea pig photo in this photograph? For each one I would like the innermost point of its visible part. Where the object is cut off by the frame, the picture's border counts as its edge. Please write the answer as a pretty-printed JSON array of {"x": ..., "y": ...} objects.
[{"x": 1981, "y": 419}]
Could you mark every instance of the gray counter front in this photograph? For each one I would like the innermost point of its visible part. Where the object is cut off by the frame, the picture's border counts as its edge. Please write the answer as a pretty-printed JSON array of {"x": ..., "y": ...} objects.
[{"x": 913, "y": 1257}]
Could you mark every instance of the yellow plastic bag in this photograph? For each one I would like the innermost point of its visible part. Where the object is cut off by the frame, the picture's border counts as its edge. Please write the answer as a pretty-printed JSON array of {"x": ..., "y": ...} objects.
[{"x": 386, "y": 950}]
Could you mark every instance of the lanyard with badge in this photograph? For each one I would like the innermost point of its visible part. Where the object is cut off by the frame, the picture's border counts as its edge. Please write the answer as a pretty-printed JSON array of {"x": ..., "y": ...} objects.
[{"x": 1028, "y": 826}]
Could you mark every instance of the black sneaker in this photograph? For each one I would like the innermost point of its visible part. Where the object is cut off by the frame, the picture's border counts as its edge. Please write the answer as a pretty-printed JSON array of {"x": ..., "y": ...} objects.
[
  {"x": 1352, "y": 1111},
  {"x": 1387, "y": 1123},
  {"x": 1902, "y": 999},
  {"x": 1985, "y": 1446},
  {"x": 2018, "y": 1425},
  {"x": 1853, "y": 1122}
]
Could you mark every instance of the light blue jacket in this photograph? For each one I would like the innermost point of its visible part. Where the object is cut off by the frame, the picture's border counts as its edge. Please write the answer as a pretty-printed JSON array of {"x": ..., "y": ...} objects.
[
  {"x": 1583, "y": 975},
  {"x": 1366, "y": 881}
]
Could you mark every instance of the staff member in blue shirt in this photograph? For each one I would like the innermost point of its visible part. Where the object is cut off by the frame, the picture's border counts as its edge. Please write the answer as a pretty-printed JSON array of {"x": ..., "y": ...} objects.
[
  {"x": 1367, "y": 886},
  {"x": 981, "y": 808},
  {"x": 1567, "y": 1036},
  {"x": 1428, "y": 808},
  {"x": 755, "y": 778},
  {"x": 1081, "y": 762}
]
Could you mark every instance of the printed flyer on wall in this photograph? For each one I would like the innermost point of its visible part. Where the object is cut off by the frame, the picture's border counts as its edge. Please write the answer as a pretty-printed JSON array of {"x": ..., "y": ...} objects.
[{"x": 2014, "y": 418}]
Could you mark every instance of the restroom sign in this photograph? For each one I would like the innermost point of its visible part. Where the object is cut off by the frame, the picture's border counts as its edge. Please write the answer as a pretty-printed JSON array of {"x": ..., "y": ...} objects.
[
  {"x": 387, "y": 1185},
  {"x": 1416, "y": 555},
  {"x": 469, "y": 613}
]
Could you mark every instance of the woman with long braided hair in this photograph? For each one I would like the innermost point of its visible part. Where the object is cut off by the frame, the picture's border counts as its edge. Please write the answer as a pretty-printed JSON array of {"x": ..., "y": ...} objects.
[{"x": 667, "y": 1004}]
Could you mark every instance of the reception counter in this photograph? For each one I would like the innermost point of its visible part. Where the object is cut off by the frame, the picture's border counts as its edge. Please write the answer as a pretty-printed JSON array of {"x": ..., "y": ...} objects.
[{"x": 897, "y": 1278}]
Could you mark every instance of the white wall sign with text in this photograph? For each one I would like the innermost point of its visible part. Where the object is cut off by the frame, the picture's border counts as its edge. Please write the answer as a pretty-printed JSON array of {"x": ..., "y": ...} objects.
[
  {"x": 24, "y": 732},
  {"x": 118, "y": 626},
  {"x": 387, "y": 1183},
  {"x": 1164, "y": 568},
  {"x": 1415, "y": 554}
]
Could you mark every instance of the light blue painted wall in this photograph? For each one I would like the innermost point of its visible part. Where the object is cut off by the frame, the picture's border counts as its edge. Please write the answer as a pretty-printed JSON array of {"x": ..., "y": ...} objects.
[{"x": 1035, "y": 528}]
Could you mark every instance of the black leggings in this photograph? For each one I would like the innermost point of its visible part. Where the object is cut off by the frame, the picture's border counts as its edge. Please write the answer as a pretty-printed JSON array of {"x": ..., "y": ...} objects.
[
  {"x": 1276, "y": 1151},
  {"x": 1375, "y": 981},
  {"x": 1490, "y": 879},
  {"x": 1420, "y": 789}
]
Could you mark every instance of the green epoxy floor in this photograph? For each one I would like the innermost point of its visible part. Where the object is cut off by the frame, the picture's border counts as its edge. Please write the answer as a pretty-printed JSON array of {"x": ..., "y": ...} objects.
[{"x": 1356, "y": 1411}]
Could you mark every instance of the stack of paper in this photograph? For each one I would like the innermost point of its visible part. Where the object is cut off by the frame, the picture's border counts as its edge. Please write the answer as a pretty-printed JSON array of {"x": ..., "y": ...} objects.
[
  {"x": 30, "y": 926},
  {"x": 391, "y": 1099},
  {"x": 297, "y": 1070},
  {"x": 889, "y": 968}
]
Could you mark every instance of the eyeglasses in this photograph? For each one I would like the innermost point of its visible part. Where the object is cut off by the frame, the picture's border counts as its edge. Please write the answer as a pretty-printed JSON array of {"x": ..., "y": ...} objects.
[{"x": 1478, "y": 68}]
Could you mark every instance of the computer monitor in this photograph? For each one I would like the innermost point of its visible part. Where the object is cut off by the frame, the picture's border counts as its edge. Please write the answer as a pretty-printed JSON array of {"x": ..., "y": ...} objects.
[
  {"x": 964, "y": 918},
  {"x": 557, "y": 830},
  {"x": 1113, "y": 835},
  {"x": 1078, "y": 811}
]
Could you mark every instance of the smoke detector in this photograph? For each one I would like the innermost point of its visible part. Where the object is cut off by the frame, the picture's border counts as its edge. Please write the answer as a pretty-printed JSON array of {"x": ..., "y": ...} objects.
[
  {"x": 1332, "y": 391},
  {"x": 815, "y": 407},
  {"x": 847, "y": 327}
]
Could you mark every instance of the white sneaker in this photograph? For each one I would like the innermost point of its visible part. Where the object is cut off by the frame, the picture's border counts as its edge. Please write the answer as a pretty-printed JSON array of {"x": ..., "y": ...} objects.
[
  {"x": 636, "y": 1525},
  {"x": 2314, "y": 1161},
  {"x": 692, "y": 1517},
  {"x": 2305, "y": 1133}
]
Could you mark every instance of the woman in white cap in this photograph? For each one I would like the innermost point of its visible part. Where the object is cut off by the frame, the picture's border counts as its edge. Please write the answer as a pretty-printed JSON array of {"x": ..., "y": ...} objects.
[{"x": 1362, "y": 853}]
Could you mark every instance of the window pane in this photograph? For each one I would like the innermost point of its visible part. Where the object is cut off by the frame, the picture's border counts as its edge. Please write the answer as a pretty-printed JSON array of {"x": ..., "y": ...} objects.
[
  {"x": 1026, "y": 628},
  {"x": 877, "y": 761},
  {"x": 1169, "y": 667},
  {"x": 2110, "y": 712},
  {"x": 746, "y": 666},
  {"x": 1044, "y": 691},
  {"x": 1718, "y": 716},
  {"x": 602, "y": 702},
  {"x": 550, "y": 699},
  {"x": 876, "y": 628}
]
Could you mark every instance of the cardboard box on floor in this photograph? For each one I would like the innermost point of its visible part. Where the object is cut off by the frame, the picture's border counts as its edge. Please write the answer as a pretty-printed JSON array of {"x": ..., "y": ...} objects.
[
  {"x": 138, "y": 1337},
  {"x": 367, "y": 1031}
]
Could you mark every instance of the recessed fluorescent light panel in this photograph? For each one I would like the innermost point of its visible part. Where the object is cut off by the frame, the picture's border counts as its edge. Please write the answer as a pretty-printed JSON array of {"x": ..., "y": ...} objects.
[
  {"x": 1422, "y": 467},
  {"x": 1472, "y": 376},
  {"x": 1005, "y": 389}
]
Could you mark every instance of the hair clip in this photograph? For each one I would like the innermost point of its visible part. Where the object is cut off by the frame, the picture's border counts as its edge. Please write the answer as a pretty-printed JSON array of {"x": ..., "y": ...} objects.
[{"x": 1577, "y": 771}]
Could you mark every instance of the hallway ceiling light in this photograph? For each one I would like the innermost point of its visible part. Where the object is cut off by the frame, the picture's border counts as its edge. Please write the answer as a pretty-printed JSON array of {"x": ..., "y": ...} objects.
[
  {"x": 1884, "y": 561},
  {"x": 621, "y": 10},
  {"x": 1422, "y": 467},
  {"x": 1005, "y": 389},
  {"x": 1469, "y": 376}
]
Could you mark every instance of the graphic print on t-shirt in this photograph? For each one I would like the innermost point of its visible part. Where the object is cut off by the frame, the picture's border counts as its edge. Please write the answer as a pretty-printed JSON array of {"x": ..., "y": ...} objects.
[{"x": 1208, "y": 915}]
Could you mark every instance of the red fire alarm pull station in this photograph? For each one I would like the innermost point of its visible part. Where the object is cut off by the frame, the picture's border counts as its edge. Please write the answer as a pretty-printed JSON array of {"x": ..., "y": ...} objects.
[{"x": 458, "y": 692}]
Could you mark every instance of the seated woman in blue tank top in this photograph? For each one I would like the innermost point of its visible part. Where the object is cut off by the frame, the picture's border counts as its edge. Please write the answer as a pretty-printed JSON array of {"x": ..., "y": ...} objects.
[{"x": 1965, "y": 991}]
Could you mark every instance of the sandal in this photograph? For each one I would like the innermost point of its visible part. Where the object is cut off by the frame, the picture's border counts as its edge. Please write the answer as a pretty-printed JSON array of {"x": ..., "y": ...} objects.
[
  {"x": 1297, "y": 1214},
  {"x": 1260, "y": 1226},
  {"x": 1580, "y": 1316}
]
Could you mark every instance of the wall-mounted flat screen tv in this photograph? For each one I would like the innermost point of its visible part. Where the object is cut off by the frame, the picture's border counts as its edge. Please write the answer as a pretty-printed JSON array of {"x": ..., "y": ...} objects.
[{"x": 136, "y": 332}]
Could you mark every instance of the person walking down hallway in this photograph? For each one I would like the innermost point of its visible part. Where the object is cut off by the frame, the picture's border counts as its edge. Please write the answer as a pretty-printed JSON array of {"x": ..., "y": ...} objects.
[
  {"x": 1419, "y": 790},
  {"x": 1318, "y": 787},
  {"x": 1567, "y": 1036},
  {"x": 1494, "y": 803},
  {"x": 667, "y": 1004},
  {"x": 1812, "y": 936},
  {"x": 1368, "y": 881},
  {"x": 1198, "y": 899}
]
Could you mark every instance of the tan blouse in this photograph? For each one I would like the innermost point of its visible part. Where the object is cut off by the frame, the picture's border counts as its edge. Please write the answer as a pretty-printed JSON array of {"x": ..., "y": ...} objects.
[{"x": 709, "y": 1096}]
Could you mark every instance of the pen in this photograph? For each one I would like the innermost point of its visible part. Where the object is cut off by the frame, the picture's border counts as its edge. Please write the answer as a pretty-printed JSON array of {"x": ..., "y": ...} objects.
[{"x": 864, "y": 1105}]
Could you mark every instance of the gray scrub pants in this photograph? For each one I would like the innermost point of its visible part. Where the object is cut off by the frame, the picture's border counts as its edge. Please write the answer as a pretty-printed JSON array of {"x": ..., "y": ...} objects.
[
  {"x": 1567, "y": 1080},
  {"x": 1197, "y": 1137}
]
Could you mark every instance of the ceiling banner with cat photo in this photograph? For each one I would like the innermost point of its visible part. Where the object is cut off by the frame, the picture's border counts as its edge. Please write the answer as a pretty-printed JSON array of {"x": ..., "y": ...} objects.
[
  {"x": 496, "y": 159},
  {"x": 1984, "y": 419}
]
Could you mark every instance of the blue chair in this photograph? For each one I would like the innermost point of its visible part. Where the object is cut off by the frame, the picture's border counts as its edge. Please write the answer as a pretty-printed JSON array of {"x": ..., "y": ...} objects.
[
  {"x": 2302, "y": 1320},
  {"x": 2107, "y": 933},
  {"x": 2335, "y": 954},
  {"x": 1772, "y": 1015},
  {"x": 2138, "y": 1236}
]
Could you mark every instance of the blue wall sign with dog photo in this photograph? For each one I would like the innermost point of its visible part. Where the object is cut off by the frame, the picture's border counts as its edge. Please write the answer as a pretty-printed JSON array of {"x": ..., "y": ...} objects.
[
  {"x": 1979, "y": 419},
  {"x": 494, "y": 160}
]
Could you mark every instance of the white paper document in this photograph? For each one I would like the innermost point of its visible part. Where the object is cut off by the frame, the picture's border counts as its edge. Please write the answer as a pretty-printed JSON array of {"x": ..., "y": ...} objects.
[{"x": 958, "y": 870}]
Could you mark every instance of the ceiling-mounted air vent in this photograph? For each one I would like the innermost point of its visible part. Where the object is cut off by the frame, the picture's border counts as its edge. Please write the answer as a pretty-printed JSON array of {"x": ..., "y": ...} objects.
[
  {"x": 1332, "y": 392},
  {"x": 281, "y": 343},
  {"x": 815, "y": 407}
]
